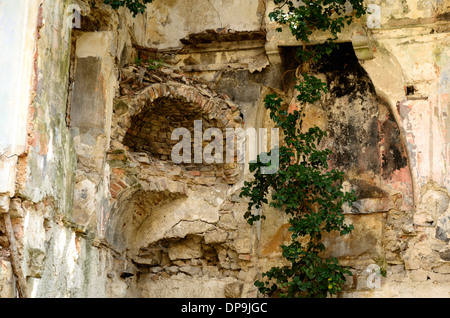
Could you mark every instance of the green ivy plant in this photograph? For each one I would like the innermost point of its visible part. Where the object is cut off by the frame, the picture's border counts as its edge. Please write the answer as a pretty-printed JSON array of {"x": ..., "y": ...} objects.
[
  {"x": 304, "y": 186},
  {"x": 154, "y": 64},
  {"x": 135, "y": 6}
]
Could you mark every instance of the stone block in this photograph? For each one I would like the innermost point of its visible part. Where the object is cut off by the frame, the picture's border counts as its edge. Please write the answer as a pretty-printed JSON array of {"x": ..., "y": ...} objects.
[
  {"x": 233, "y": 290},
  {"x": 365, "y": 239},
  {"x": 418, "y": 275},
  {"x": 432, "y": 207},
  {"x": 152, "y": 256},
  {"x": 227, "y": 222},
  {"x": 172, "y": 269},
  {"x": 16, "y": 210},
  {"x": 191, "y": 270},
  {"x": 183, "y": 228},
  {"x": 7, "y": 285},
  {"x": 440, "y": 278},
  {"x": 186, "y": 249},
  {"x": 442, "y": 268},
  {"x": 211, "y": 271},
  {"x": 84, "y": 202},
  {"x": 36, "y": 258},
  {"x": 445, "y": 255},
  {"x": 4, "y": 203},
  {"x": 216, "y": 236},
  {"x": 87, "y": 106}
]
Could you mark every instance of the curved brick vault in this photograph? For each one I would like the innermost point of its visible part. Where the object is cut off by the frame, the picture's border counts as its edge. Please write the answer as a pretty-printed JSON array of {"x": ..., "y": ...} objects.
[
  {"x": 139, "y": 157},
  {"x": 142, "y": 124},
  {"x": 159, "y": 209}
]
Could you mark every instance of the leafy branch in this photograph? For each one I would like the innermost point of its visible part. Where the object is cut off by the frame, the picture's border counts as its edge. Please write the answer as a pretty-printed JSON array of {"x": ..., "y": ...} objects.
[
  {"x": 304, "y": 186},
  {"x": 135, "y": 6}
]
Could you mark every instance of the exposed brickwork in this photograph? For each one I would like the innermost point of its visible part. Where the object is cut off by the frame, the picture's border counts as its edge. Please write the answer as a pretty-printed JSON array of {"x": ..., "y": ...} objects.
[{"x": 143, "y": 123}]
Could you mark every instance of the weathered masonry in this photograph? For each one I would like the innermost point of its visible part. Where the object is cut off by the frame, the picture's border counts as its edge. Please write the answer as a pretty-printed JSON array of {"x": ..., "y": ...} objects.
[{"x": 93, "y": 206}]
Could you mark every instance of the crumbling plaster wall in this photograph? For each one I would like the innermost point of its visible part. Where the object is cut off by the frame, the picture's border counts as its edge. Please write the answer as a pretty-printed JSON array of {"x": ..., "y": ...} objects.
[
  {"x": 87, "y": 210},
  {"x": 62, "y": 198},
  {"x": 404, "y": 50},
  {"x": 41, "y": 201},
  {"x": 56, "y": 255},
  {"x": 423, "y": 61},
  {"x": 415, "y": 38},
  {"x": 169, "y": 21},
  {"x": 408, "y": 66}
]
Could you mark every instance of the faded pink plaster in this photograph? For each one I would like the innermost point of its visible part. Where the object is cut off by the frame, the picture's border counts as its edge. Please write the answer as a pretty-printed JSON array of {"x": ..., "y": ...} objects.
[
  {"x": 417, "y": 126},
  {"x": 400, "y": 180},
  {"x": 425, "y": 72},
  {"x": 425, "y": 125}
]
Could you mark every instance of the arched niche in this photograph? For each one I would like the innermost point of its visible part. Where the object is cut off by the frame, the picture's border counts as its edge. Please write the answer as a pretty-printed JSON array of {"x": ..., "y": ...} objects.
[
  {"x": 364, "y": 129},
  {"x": 367, "y": 142},
  {"x": 164, "y": 218},
  {"x": 143, "y": 125}
]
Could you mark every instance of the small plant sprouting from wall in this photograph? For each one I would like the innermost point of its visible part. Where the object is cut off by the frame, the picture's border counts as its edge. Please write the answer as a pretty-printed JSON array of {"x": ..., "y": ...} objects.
[
  {"x": 150, "y": 63},
  {"x": 135, "y": 6},
  {"x": 381, "y": 262},
  {"x": 154, "y": 64},
  {"x": 304, "y": 186}
]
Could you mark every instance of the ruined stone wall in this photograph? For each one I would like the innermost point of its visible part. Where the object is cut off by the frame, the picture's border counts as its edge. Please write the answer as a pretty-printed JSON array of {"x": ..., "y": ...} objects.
[
  {"x": 56, "y": 256},
  {"x": 99, "y": 209},
  {"x": 51, "y": 256},
  {"x": 414, "y": 37},
  {"x": 401, "y": 50}
]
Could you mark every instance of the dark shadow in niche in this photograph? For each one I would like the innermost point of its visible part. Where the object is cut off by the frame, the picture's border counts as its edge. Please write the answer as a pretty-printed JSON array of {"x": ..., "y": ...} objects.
[
  {"x": 151, "y": 133},
  {"x": 362, "y": 132}
]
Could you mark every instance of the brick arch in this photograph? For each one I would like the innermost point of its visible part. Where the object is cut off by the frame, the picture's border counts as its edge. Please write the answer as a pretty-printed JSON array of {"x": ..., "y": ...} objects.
[
  {"x": 133, "y": 205},
  {"x": 138, "y": 176},
  {"x": 204, "y": 101},
  {"x": 133, "y": 113}
]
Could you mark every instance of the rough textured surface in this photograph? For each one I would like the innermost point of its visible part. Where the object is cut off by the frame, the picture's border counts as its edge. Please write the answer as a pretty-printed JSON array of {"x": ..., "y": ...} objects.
[{"x": 98, "y": 208}]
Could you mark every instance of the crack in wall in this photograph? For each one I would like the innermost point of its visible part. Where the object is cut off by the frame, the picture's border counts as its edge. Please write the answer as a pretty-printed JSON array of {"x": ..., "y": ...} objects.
[{"x": 218, "y": 14}]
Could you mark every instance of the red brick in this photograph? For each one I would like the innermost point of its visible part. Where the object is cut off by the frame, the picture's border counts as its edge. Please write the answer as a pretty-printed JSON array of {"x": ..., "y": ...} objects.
[
  {"x": 118, "y": 171},
  {"x": 120, "y": 183},
  {"x": 113, "y": 186}
]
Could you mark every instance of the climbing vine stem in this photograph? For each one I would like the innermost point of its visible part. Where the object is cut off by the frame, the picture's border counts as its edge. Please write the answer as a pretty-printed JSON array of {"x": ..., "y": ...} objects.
[{"x": 304, "y": 186}]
